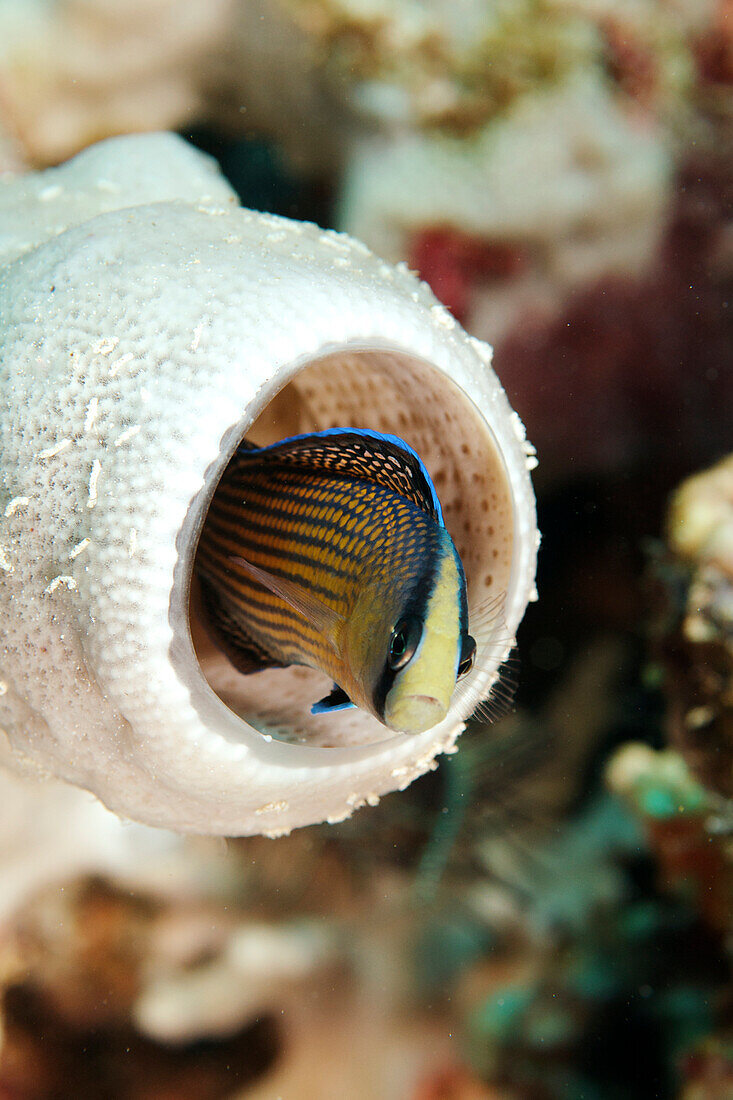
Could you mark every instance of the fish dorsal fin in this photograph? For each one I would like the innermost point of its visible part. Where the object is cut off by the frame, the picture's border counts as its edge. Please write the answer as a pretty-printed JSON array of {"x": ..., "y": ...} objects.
[
  {"x": 318, "y": 614},
  {"x": 358, "y": 453}
]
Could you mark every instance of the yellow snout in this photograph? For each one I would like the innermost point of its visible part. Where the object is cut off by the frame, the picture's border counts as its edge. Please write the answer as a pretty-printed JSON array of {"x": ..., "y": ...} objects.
[{"x": 414, "y": 713}]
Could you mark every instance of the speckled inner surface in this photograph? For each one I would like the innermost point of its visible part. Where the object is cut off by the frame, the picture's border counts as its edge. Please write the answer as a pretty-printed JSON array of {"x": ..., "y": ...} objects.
[{"x": 389, "y": 392}]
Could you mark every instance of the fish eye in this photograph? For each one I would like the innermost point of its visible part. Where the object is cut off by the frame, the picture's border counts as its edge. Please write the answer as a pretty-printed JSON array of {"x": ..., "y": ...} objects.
[
  {"x": 468, "y": 655},
  {"x": 403, "y": 643}
]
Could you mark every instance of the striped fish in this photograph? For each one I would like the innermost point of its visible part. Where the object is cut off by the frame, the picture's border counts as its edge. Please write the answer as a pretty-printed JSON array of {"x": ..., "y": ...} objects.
[{"x": 330, "y": 550}]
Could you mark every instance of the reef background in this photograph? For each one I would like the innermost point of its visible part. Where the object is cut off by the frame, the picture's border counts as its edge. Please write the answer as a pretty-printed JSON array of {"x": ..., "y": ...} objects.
[{"x": 550, "y": 913}]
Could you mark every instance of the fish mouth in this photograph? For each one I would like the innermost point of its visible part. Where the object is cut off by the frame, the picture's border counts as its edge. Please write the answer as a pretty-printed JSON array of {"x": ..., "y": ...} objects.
[{"x": 415, "y": 714}]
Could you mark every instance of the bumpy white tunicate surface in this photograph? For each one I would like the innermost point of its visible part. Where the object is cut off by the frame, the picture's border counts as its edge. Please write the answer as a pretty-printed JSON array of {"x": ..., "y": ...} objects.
[{"x": 146, "y": 325}]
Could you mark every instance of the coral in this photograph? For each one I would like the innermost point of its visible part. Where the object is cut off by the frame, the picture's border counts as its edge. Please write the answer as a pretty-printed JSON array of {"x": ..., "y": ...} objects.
[
  {"x": 708, "y": 1071},
  {"x": 677, "y": 813},
  {"x": 567, "y": 177},
  {"x": 110, "y": 992},
  {"x": 693, "y": 632},
  {"x": 75, "y": 71}
]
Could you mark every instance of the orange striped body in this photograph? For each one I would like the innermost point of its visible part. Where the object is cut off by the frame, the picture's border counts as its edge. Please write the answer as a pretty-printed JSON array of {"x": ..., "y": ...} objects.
[{"x": 331, "y": 534}]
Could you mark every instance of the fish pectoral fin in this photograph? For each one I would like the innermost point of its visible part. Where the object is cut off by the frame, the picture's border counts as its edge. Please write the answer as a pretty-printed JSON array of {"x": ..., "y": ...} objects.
[
  {"x": 323, "y": 618},
  {"x": 336, "y": 700}
]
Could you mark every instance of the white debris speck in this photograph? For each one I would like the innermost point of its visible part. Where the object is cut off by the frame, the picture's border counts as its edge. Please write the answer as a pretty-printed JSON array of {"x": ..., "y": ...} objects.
[
  {"x": 128, "y": 434},
  {"x": 107, "y": 185},
  {"x": 697, "y": 717},
  {"x": 56, "y": 449},
  {"x": 442, "y": 317},
  {"x": 3, "y": 688},
  {"x": 13, "y": 505},
  {"x": 79, "y": 548},
  {"x": 93, "y": 479},
  {"x": 356, "y": 245},
  {"x": 485, "y": 352},
  {"x": 68, "y": 582},
  {"x": 196, "y": 336},
  {"x": 91, "y": 416},
  {"x": 105, "y": 345},
  {"x": 118, "y": 363},
  {"x": 132, "y": 543},
  {"x": 334, "y": 819},
  {"x": 518, "y": 426},
  {"x": 399, "y": 773},
  {"x": 273, "y": 808},
  {"x": 334, "y": 240},
  {"x": 48, "y": 193},
  {"x": 426, "y": 762},
  {"x": 5, "y": 563}
]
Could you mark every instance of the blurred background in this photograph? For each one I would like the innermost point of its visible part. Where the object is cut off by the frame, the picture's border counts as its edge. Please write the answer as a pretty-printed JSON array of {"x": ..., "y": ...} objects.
[{"x": 549, "y": 914}]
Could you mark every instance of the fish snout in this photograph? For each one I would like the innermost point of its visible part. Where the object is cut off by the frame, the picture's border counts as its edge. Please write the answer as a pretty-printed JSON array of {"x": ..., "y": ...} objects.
[{"x": 414, "y": 713}]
